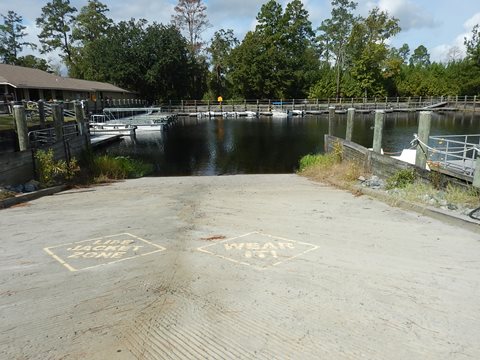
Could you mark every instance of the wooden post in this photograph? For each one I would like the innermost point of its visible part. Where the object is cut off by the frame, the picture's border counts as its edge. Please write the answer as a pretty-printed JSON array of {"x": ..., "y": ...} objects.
[
  {"x": 465, "y": 103},
  {"x": 331, "y": 119},
  {"x": 293, "y": 104},
  {"x": 79, "y": 118},
  {"x": 58, "y": 120},
  {"x": 378, "y": 131},
  {"x": 258, "y": 107},
  {"x": 245, "y": 104},
  {"x": 474, "y": 103},
  {"x": 41, "y": 113},
  {"x": 195, "y": 103},
  {"x": 21, "y": 126},
  {"x": 350, "y": 120},
  {"x": 424, "y": 124},
  {"x": 476, "y": 174}
]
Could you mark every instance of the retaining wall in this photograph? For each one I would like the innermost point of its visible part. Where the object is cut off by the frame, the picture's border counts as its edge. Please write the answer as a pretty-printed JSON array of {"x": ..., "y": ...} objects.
[{"x": 19, "y": 167}]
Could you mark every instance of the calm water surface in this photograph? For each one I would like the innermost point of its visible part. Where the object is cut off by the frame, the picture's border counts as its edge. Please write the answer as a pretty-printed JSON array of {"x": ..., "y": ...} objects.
[{"x": 265, "y": 145}]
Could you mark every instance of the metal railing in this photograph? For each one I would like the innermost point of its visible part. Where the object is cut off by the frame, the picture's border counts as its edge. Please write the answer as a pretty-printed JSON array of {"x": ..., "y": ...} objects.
[
  {"x": 366, "y": 104},
  {"x": 46, "y": 137},
  {"x": 457, "y": 153}
]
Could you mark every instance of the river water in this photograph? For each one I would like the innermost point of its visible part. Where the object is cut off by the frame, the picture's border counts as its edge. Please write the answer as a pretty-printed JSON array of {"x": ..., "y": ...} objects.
[{"x": 258, "y": 146}]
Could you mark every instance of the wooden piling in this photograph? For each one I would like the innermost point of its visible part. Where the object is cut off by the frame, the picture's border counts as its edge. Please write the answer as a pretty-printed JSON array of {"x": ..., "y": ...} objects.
[
  {"x": 350, "y": 121},
  {"x": 476, "y": 174},
  {"x": 378, "y": 131},
  {"x": 79, "y": 118},
  {"x": 41, "y": 113},
  {"x": 424, "y": 124},
  {"x": 58, "y": 120},
  {"x": 21, "y": 126},
  {"x": 331, "y": 119}
]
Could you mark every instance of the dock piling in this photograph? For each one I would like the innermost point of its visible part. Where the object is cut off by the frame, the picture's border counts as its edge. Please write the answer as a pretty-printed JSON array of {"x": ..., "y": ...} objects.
[
  {"x": 476, "y": 174},
  {"x": 41, "y": 113},
  {"x": 58, "y": 120},
  {"x": 424, "y": 124},
  {"x": 378, "y": 131},
  {"x": 331, "y": 119},
  {"x": 350, "y": 120},
  {"x": 79, "y": 118},
  {"x": 21, "y": 126}
]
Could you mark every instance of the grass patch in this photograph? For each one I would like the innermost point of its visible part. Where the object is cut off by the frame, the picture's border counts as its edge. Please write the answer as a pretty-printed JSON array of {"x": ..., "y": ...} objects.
[
  {"x": 329, "y": 168},
  {"x": 401, "y": 179},
  {"x": 107, "y": 167},
  {"x": 468, "y": 196}
]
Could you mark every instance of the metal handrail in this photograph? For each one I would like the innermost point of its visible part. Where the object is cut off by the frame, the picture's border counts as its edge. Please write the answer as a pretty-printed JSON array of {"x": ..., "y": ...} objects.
[
  {"x": 457, "y": 153},
  {"x": 47, "y": 137}
]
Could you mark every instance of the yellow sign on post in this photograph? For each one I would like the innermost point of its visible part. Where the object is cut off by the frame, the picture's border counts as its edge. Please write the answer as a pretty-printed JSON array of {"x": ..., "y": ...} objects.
[{"x": 220, "y": 99}]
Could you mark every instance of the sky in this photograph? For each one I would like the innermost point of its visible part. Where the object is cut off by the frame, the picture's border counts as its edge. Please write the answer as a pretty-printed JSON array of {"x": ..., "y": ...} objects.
[{"x": 439, "y": 25}]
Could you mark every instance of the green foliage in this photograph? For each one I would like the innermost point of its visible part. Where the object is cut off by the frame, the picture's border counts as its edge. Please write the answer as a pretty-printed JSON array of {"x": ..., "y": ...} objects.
[
  {"x": 420, "y": 57},
  {"x": 11, "y": 35},
  {"x": 55, "y": 23},
  {"x": 321, "y": 160},
  {"x": 401, "y": 179},
  {"x": 278, "y": 59},
  {"x": 220, "y": 49},
  {"x": 32, "y": 62},
  {"x": 119, "y": 167},
  {"x": 473, "y": 46},
  {"x": 53, "y": 172}
]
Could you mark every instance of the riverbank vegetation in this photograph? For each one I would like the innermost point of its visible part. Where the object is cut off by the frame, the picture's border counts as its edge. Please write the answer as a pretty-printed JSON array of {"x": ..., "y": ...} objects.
[
  {"x": 89, "y": 169},
  {"x": 403, "y": 186},
  {"x": 284, "y": 56}
]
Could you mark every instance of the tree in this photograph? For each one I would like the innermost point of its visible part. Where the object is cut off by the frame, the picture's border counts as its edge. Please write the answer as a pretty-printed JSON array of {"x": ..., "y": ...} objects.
[
  {"x": 278, "y": 59},
  {"x": 420, "y": 57},
  {"x": 150, "y": 59},
  {"x": 55, "y": 22},
  {"x": 473, "y": 46},
  {"x": 220, "y": 49},
  {"x": 11, "y": 35},
  {"x": 33, "y": 62},
  {"x": 91, "y": 23},
  {"x": 335, "y": 33},
  {"x": 369, "y": 50},
  {"x": 454, "y": 54},
  {"x": 191, "y": 16}
]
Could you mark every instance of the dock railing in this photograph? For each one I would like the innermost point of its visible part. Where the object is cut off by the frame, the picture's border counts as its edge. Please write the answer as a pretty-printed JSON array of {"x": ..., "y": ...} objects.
[
  {"x": 456, "y": 153},
  {"x": 46, "y": 137},
  {"x": 462, "y": 103}
]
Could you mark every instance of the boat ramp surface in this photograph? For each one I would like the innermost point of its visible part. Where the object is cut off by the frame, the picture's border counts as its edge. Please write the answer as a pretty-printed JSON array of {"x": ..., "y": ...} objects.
[{"x": 237, "y": 267}]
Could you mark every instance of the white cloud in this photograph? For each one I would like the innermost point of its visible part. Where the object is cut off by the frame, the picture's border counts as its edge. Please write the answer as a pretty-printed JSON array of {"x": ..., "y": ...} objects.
[
  {"x": 411, "y": 15},
  {"x": 440, "y": 52}
]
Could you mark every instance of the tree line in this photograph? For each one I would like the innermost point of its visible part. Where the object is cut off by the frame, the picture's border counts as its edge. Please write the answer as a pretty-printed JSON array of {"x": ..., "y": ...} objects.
[{"x": 285, "y": 56}]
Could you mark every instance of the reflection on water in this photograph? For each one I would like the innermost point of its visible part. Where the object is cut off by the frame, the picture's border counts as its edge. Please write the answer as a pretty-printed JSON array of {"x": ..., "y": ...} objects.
[{"x": 265, "y": 145}]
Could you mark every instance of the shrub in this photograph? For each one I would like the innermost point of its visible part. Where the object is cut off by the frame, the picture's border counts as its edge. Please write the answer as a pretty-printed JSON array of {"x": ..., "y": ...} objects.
[
  {"x": 53, "y": 172},
  {"x": 401, "y": 179},
  {"x": 120, "y": 167}
]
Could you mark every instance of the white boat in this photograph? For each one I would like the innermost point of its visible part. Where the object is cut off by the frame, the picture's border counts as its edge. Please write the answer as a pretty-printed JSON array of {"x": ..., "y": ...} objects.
[
  {"x": 281, "y": 114},
  {"x": 298, "y": 113},
  {"x": 112, "y": 129}
]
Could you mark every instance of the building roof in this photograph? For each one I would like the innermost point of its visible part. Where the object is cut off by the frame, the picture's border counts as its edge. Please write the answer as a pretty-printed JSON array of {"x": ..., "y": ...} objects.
[{"x": 28, "y": 78}]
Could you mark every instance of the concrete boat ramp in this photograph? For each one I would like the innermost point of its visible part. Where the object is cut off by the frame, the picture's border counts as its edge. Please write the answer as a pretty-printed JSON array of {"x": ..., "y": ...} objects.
[{"x": 236, "y": 267}]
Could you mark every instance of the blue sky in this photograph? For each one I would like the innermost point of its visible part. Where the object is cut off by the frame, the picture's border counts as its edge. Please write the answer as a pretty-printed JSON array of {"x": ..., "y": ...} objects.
[{"x": 439, "y": 25}]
